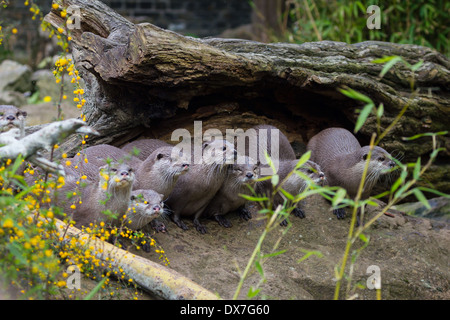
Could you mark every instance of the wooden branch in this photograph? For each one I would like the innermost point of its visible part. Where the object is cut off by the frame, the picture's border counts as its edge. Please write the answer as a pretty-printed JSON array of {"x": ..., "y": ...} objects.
[
  {"x": 43, "y": 139},
  {"x": 150, "y": 276}
]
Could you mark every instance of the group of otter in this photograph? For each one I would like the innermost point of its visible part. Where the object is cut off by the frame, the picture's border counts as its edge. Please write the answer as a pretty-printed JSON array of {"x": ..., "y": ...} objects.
[{"x": 143, "y": 184}]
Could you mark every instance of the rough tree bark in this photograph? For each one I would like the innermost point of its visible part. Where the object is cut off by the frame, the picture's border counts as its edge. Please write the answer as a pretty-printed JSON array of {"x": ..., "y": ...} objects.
[{"x": 142, "y": 80}]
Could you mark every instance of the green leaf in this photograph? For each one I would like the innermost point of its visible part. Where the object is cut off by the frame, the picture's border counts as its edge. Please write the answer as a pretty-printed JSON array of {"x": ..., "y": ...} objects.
[
  {"x": 416, "y": 173},
  {"x": 275, "y": 179},
  {"x": 390, "y": 64},
  {"x": 310, "y": 253},
  {"x": 338, "y": 197},
  {"x": 251, "y": 198},
  {"x": 420, "y": 196},
  {"x": 435, "y": 192},
  {"x": 287, "y": 194},
  {"x": 363, "y": 115},
  {"x": 259, "y": 268},
  {"x": 253, "y": 292},
  {"x": 273, "y": 254},
  {"x": 363, "y": 238},
  {"x": 356, "y": 95},
  {"x": 427, "y": 134},
  {"x": 303, "y": 159},
  {"x": 416, "y": 66},
  {"x": 380, "y": 110},
  {"x": 96, "y": 289}
]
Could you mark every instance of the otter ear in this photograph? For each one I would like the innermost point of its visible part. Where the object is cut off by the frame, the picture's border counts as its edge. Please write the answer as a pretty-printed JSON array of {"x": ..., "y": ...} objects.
[
  {"x": 24, "y": 113},
  {"x": 159, "y": 156}
]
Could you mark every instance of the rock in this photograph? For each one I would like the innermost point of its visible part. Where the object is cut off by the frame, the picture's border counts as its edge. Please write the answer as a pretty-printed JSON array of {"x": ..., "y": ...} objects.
[
  {"x": 15, "y": 77},
  {"x": 440, "y": 209}
]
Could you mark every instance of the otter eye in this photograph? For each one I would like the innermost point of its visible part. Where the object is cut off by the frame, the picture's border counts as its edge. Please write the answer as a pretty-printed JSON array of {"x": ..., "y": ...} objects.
[
  {"x": 224, "y": 148},
  {"x": 365, "y": 157},
  {"x": 130, "y": 170},
  {"x": 113, "y": 169},
  {"x": 310, "y": 171},
  {"x": 381, "y": 159}
]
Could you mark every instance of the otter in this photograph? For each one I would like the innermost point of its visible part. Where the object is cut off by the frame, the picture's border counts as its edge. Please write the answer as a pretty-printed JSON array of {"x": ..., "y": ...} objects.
[
  {"x": 145, "y": 147},
  {"x": 227, "y": 199},
  {"x": 342, "y": 158},
  {"x": 12, "y": 117},
  {"x": 282, "y": 150},
  {"x": 145, "y": 207},
  {"x": 110, "y": 191},
  {"x": 158, "y": 172},
  {"x": 294, "y": 184},
  {"x": 194, "y": 190}
]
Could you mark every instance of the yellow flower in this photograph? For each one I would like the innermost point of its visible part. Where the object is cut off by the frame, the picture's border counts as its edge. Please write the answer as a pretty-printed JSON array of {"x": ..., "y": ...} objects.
[
  {"x": 68, "y": 163},
  {"x": 47, "y": 99},
  {"x": 8, "y": 223},
  {"x": 14, "y": 30},
  {"x": 73, "y": 207},
  {"x": 60, "y": 30},
  {"x": 55, "y": 6}
]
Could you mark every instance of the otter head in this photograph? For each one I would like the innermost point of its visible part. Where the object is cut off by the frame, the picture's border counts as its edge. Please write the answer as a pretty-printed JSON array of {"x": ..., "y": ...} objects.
[
  {"x": 11, "y": 117},
  {"x": 145, "y": 206},
  {"x": 380, "y": 164},
  {"x": 116, "y": 175},
  {"x": 219, "y": 152},
  {"x": 169, "y": 162},
  {"x": 314, "y": 172},
  {"x": 245, "y": 170}
]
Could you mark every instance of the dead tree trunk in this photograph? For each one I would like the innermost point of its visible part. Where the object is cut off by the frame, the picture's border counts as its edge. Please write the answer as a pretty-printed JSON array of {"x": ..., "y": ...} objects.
[{"x": 142, "y": 80}]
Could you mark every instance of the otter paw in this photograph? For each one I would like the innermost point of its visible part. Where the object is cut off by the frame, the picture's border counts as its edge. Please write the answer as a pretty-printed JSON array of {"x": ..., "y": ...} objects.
[
  {"x": 158, "y": 226},
  {"x": 223, "y": 222},
  {"x": 340, "y": 213},
  {"x": 199, "y": 227},
  {"x": 284, "y": 223},
  {"x": 245, "y": 214},
  {"x": 298, "y": 213}
]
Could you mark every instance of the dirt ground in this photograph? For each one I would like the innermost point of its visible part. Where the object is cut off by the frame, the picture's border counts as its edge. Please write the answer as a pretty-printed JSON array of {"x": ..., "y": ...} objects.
[{"x": 412, "y": 254}]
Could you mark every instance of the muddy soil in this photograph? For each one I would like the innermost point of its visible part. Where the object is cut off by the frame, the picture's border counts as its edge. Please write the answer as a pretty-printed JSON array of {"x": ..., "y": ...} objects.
[{"x": 412, "y": 255}]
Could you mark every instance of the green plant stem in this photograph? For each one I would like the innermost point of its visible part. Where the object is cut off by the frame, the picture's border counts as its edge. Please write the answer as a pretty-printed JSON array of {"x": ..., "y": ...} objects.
[
  {"x": 255, "y": 251},
  {"x": 350, "y": 238}
]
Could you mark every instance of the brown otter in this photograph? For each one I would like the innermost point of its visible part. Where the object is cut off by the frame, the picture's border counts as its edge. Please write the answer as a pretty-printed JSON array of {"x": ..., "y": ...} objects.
[
  {"x": 145, "y": 147},
  {"x": 227, "y": 199},
  {"x": 194, "y": 190},
  {"x": 342, "y": 158},
  {"x": 12, "y": 117},
  {"x": 145, "y": 207},
  {"x": 295, "y": 184},
  {"x": 158, "y": 172},
  {"x": 260, "y": 140},
  {"x": 110, "y": 191}
]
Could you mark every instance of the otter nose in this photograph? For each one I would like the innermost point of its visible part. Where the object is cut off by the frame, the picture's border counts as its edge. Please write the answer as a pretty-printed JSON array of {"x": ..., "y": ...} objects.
[
  {"x": 10, "y": 118},
  {"x": 124, "y": 173},
  {"x": 249, "y": 175},
  {"x": 185, "y": 165},
  {"x": 156, "y": 208},
  {"x": 391, "y": 164},
  {"x": 321, "y": 175}
]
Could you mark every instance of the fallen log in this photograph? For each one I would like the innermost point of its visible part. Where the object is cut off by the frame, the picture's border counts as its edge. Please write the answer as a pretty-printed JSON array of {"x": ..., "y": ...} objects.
[
  {"x": 150, "y": 276},
  {"x": 142, "y": 80}
]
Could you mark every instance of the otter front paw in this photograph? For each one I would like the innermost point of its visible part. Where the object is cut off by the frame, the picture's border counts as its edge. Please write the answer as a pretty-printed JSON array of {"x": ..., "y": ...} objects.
[
  {"x": 340, "y": 213},
  {"x": 298, "y": 213},
  {"x": 223, "y": 221}
]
